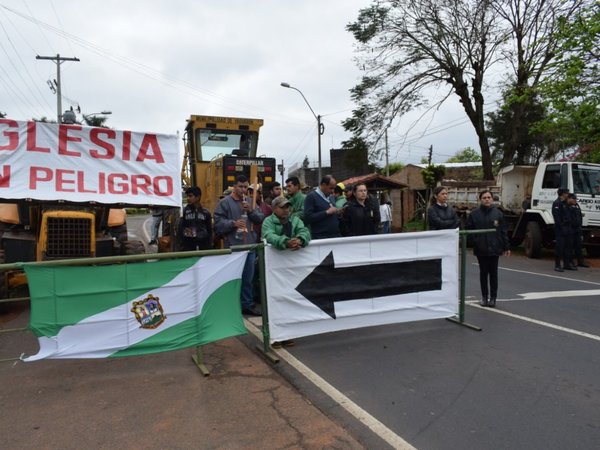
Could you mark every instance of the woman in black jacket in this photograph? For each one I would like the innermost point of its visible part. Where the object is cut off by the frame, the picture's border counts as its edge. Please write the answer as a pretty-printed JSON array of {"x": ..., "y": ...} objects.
[
  {"x": 358, "y": 218},
  {"x": 440, "y": 216},
  {"x": 488, "y": 246}
]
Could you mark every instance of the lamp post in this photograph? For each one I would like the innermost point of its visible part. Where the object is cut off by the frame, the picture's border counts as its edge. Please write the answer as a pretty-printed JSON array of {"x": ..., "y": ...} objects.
[
  {"x": 320, "y": 126},
  {"x": 281, "y": 169},
  {"x": 101, "y": 113},
  {"x": 91, "y": 116}
]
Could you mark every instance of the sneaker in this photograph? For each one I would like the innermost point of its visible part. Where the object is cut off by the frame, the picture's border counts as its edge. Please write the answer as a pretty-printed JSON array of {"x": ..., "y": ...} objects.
[
  {"x": 483, "y": 301},
  {"x": 583, "y": 264},
  {"x": 570, "y": 268},
  {"x": 153, "y": 242},
  {"x": 559, "y": 269}
]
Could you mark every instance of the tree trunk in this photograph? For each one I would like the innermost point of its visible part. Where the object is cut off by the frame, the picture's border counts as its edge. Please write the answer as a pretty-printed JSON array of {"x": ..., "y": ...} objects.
[{"x": 476, "y": 116}]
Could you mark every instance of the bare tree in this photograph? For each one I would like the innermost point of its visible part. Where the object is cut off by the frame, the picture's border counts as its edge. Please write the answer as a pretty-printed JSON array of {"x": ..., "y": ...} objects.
[
  {"x": 533, "y": 26},
  {"x": 407, "y": 47}
]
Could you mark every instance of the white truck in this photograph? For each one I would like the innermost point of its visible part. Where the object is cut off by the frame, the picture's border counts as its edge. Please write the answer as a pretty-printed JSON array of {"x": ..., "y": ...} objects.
[{"x": 525, "y": 195}]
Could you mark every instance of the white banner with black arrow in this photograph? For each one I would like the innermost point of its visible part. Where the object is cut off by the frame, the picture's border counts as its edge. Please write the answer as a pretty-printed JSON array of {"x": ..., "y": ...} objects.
[{"x": 343, "y": 283}]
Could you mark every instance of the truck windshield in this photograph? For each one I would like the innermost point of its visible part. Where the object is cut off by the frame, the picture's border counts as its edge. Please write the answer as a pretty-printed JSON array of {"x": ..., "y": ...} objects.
[
  {"x": 586, "y": 179},
  {"x": 211, "y": 143}
]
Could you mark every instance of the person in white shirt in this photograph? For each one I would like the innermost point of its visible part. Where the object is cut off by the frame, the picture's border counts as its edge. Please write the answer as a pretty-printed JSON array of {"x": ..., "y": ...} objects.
[{"x": 385, "y": 210}]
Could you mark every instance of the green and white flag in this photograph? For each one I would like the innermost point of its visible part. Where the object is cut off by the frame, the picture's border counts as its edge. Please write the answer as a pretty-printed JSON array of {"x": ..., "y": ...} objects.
[{"x": 135, "y": 309}]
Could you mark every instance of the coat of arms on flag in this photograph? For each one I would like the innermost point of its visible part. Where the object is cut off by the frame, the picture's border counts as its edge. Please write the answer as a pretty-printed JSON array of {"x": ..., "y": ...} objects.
[{"x": 149, "y": 312}]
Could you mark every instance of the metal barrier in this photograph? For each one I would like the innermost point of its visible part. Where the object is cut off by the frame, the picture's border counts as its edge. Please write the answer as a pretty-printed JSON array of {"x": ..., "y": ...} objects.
[
  {"x": 463, "y": 272},
  {"x": 265, "y": 348}
]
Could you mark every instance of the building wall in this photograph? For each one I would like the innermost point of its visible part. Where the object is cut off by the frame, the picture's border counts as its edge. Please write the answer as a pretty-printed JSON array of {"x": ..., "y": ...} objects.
[{"x": 411, "y": 176}]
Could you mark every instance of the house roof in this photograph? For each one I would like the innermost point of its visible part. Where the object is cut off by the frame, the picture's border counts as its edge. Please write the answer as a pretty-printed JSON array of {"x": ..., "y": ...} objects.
[
  {"x": 375, "y": 181},
  {"x": 448, "y": 165}
]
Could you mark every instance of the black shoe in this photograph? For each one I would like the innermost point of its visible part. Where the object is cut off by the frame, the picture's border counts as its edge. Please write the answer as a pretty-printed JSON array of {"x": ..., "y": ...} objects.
[
  {"x": 583, "y": 264},
  {"x": 492, "y": 302},
  {"x": 559, "y": 269},
  {"x": 152, "y": 242},
  {"x": 570, "y": 268},
  {"x": 288, "y": 343},
  {"x": 253, "y": 310},
  {"x": 483, "y": 301}
]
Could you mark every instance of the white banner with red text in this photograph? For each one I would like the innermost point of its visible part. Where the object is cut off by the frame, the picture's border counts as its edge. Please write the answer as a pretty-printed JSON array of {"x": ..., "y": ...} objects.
[
  {"x": 48, "y": 161},
  {"x": 344, "y": 283}
]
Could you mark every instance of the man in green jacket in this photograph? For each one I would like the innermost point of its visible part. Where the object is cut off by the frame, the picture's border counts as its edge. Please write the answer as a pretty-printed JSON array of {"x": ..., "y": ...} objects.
[
  {"x": 282, "y": 230},
  {"x": 296, "y": 197}
]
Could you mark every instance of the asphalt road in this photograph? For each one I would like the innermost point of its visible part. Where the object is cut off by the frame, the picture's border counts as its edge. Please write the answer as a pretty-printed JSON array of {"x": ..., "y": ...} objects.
[{"x": 528, "y": 380}]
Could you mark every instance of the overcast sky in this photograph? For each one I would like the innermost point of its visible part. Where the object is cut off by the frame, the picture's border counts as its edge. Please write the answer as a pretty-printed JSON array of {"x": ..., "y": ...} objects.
[{"x": 154, "y": 63}]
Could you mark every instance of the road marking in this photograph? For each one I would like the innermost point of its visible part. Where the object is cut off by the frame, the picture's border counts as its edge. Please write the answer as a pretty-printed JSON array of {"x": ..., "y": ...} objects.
[
  {"x": 537, "y": 322},
  {"x": 360, "y": 414},
  {"x": 552, "y": 294},
  {"x": 548, "y": 275}
]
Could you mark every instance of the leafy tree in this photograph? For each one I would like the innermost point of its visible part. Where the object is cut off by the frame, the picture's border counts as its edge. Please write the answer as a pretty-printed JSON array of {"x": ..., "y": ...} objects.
[
  {"x": 357, "y": 153},
  {"x": 532, "y": 25},
  {"x": 572, "y": 91},
  {"x": 95, "y": 120},
  {"x": 393, "y": 168},
  {"x": 44, "y": 119},
  {"x": 523, "y": 143},
  {"x": 2, "y": 115},
  {"x": 465, "y": 155},
  {"x": 433, "y": 174}
]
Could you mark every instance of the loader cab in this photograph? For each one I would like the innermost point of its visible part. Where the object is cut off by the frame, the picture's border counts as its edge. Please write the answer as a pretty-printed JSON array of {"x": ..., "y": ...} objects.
[
  {"x": 211, "y": 137},
  {"x": 217, "y": 150}
]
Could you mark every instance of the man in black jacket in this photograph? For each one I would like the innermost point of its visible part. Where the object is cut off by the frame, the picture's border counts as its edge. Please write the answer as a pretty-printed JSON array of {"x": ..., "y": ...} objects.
[
  {"x": 562, "y": 231},
  {"x": 195, "y": 227},
  {"x": 576, "y": 231}
]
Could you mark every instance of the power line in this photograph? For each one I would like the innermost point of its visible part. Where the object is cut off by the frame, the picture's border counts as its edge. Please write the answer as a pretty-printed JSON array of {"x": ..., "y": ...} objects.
[{"x": 41, "y": 96}]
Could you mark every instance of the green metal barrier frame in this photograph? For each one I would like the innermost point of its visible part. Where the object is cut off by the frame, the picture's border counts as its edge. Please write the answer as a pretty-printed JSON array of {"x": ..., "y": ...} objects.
[{"x": 460, "y": 319}]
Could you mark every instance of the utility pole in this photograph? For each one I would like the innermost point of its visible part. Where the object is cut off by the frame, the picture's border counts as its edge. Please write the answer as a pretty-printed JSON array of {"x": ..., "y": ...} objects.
[
  {"x": 430, "y": 154},
  {"x": 58, "y": 60},
  {"x": 320, "y": 131}
]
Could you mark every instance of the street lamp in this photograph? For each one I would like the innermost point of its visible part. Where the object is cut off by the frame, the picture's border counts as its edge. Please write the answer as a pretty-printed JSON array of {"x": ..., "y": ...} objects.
[
  {"x": 320, "y": 126},
  {"x": 89, "y": 118},
  {"x": 101, "y": 113}
]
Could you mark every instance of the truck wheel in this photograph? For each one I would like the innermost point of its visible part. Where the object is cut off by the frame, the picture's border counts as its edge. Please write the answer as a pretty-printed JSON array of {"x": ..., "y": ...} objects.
[
  {"x": 133, "y": 248},
  {"x": 533, "y": 240}
]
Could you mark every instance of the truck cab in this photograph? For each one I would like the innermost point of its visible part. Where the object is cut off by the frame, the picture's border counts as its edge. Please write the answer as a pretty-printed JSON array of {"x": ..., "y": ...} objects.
[{"x": 536, "y": 224}]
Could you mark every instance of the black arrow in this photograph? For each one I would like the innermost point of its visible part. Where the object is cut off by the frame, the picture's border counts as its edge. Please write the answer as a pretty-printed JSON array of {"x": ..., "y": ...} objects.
[{"x": 326, "y": 285}]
